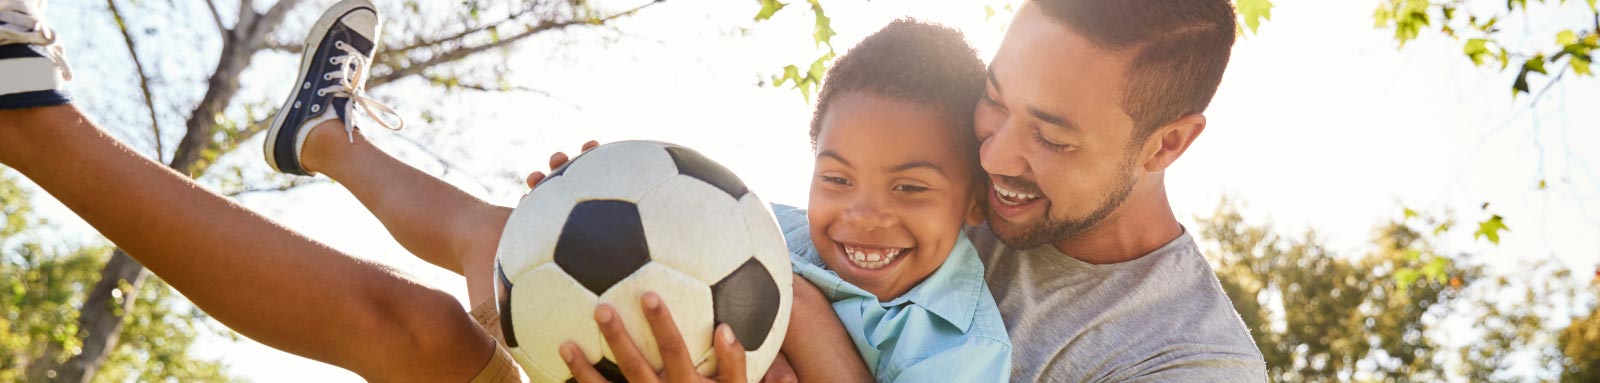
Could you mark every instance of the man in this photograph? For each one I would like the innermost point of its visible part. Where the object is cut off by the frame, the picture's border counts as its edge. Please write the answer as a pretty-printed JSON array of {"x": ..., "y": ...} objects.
[{"x": 1088, "y": 103}]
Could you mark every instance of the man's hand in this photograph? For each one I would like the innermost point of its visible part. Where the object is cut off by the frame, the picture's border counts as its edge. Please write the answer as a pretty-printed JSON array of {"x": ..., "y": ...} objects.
[
  {"x": 674, "y": 353},
  {"x": 556, "y": 160}
]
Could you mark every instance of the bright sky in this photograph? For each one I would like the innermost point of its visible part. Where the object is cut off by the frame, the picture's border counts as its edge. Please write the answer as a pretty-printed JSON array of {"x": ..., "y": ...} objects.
[{"x": 1320, "y": 123}]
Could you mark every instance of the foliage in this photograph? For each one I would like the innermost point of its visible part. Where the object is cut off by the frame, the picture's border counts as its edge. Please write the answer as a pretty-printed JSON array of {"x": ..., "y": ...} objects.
[
  {"x": 822, "y": 34},
  {"x": 1384, "y": 315},
  {"x": 1480, "y": 24},
  {"x": 1581, "y": 362},
  {"x": 41, "y": 286}
]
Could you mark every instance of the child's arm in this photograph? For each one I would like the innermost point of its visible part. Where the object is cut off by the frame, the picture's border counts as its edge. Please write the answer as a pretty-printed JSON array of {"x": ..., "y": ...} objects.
[
  {"x": 254, "y": 275},
  {"x": 817, "y": 345}
]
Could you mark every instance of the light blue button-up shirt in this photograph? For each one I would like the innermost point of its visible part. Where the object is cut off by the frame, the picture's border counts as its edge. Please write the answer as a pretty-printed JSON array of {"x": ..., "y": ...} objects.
[{"x": 945, "y": 329}]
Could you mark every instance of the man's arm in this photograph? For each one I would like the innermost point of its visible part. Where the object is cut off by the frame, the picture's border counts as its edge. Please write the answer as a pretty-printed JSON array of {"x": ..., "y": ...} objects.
[{"x": 256, "y": 276}]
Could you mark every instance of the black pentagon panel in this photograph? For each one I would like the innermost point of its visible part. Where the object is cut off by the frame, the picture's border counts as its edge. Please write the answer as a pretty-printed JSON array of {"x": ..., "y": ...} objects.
[
  {"x": 607, "y": 369},
  {"x": 602, "y": 243},
  {"x": 747, "y": 300},
  {"x": 505, "y": 309},
  {"x": 691, "y": 163}
]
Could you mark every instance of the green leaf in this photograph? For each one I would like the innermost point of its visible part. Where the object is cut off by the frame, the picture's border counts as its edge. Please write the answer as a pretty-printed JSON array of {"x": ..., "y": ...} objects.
[
  {"x": 1436, "y": 269},
  {"x": 1409, "y": 214},
  {"x": 1253, "y": 11},
  {"x": 769, "y": 7},
  {"x": 1505, "y": 59},
  {"x": 1566, "y": 37},
  {"x": 823, "y": 33},
  {"x": 988, "y": 12},
  {"x": 1542, "y": 185},
  {"x": 1580, "y": 65},
  {"x": 1443, "y": 227},
  {"x": 1404, "y": 278},
  {"x": 1477, "y": 50},
  {"x": 1535, "y": 64},
  {"x": 1520, "y": 85},
  {"x": 1490, "y": 229}
]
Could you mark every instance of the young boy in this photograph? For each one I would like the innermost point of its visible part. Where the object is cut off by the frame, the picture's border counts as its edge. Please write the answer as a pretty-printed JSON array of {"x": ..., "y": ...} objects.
[
  {"x": 896, "y": 181},
  {"x": 882, "y": 218}
]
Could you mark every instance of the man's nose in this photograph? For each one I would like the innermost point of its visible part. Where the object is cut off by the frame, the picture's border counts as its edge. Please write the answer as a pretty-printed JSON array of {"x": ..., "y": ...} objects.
[{"x": 1001, "y": 152}]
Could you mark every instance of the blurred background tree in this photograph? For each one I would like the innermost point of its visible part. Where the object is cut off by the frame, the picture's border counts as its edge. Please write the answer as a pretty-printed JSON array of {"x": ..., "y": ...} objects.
[
  {"x": 41, "y": 284},
  {"x": 1383, "y": 315},
  {"x": 190, "y": 111}
]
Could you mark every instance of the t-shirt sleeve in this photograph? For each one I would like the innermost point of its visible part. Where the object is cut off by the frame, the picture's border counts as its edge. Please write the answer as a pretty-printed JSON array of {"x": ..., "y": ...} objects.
[
  {"x": 977, "y": 360},
  {"x": 1205, "y": 367}
]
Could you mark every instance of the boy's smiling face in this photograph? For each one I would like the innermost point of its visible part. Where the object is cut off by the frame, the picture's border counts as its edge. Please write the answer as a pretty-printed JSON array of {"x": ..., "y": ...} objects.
[{"x": 890, "y": 194}]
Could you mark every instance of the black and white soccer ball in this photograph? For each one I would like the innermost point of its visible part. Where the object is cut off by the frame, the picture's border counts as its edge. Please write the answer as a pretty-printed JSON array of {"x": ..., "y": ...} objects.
[{"x": 631, "y": 217}]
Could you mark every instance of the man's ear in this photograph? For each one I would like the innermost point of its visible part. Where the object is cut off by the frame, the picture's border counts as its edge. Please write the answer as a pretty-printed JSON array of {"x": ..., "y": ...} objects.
[{"x": 1169, "y": 142}]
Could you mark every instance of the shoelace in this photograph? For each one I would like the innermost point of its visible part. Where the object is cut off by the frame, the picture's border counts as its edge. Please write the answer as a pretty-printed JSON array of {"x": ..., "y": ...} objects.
[
  {"x": 23, "y": 28},
  {"x": 353, "y": 67}
]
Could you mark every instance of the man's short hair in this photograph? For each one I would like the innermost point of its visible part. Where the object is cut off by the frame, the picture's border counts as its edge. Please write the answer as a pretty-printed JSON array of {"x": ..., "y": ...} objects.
[
  {"x": 927, "y": 65},
  {"x": 1181, "y": 48}
]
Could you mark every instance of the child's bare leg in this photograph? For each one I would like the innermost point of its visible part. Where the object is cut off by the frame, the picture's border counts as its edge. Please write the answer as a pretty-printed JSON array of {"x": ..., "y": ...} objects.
[
  {"x": 434, "y": 220},
  {"x": 254, "y": 275}
]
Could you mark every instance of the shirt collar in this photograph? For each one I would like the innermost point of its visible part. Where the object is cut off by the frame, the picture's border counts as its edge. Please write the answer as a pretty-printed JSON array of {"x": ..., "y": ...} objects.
[{"x": 954, "y": 290}]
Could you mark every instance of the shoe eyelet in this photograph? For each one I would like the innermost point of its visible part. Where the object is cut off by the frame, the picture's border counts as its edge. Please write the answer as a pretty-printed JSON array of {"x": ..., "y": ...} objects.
[
  {"x": 338, "y": 44},
  {"x": 306, "y": 86},
  {"x": 320, "y": 93},
  {"x": 296, "y": 105},
  {"x": 315, "y": 108},
  {"x": 333, "y": 60},
  {"x": 327, "y": 77}
]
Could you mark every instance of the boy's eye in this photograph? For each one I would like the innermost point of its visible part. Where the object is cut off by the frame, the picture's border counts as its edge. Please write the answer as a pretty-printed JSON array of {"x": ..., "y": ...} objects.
[
  {"x": 1045, "y": 142},
  {"x": 835, "y": 180},
  {"x": 909, "y": 188}
]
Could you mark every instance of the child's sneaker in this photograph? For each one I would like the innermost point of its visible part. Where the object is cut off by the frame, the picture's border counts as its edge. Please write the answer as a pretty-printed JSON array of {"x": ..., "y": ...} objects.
[
  {"x": 33, "y": 67},
  {"x": 332, "y": 84}
]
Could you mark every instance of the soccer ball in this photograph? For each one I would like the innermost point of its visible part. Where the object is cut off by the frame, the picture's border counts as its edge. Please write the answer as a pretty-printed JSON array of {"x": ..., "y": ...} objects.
[{"x": 632, "y": 217}]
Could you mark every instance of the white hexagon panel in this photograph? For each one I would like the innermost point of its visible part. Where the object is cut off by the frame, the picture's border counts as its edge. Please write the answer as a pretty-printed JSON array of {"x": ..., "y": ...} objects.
[
  {"x": 694, "y": 228},
  {"x": 525, "y": 243},
  {"x": 622, "y": 171},
  {"x": 688, "y": 299},
  {"x": 547, "y": 300}
]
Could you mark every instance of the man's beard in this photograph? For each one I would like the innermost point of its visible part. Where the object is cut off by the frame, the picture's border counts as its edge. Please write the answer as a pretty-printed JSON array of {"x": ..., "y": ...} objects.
[{"x": 1051, "y": 230}]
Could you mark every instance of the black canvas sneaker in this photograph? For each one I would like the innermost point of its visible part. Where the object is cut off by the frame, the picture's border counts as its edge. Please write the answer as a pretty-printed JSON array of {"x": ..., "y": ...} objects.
[
  {"x": 33, "y": 67},
  {"x": 332, "y": 82}
]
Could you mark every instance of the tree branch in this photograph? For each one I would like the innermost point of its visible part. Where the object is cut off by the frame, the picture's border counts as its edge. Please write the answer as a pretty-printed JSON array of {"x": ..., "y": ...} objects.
[
  {"x": 215, "y": 16},
  {"x": 144, "y": 79},
  {"x": 544, "y": 26},
  {"x": 461, "y": 35}
]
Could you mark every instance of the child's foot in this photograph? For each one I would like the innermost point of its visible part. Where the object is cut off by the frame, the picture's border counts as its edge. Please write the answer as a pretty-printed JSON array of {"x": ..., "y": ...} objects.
[
  {"x": 333, "y": 76},
  {"x": 33, "y": 65}
]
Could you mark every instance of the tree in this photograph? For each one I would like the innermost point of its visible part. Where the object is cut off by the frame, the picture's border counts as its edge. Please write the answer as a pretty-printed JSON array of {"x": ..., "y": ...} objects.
[
  {"x": 1382, "y": 315},
  {"x": 1571, "y": 51},
  {"x": 1319, "y": 316},
  {"x": 425, "y": 40},
  {"x": 40, "y": 284}
]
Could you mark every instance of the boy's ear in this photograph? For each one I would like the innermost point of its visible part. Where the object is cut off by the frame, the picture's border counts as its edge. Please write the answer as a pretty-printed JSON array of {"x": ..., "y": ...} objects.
[{"x": 979, "y": 210}]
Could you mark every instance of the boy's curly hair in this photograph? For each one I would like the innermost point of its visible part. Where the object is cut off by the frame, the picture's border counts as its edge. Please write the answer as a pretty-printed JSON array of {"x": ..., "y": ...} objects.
[{"x": 925, "y": 64}]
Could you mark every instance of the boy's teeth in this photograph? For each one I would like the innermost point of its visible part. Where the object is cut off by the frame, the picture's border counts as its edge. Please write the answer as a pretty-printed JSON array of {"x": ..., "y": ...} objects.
[{"x": 871, "y": 257}]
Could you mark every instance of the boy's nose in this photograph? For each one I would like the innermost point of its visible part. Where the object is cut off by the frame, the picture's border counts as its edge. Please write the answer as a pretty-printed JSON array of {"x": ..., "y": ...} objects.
[{"x": 866, "y": 214}]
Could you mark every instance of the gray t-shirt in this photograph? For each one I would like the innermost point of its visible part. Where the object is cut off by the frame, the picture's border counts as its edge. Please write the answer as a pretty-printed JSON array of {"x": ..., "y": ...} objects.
[{"x": 1160, "y": 318}]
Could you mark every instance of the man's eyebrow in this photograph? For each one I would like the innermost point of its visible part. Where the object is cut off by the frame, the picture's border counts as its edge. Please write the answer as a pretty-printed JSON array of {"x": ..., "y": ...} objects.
[
  {"x": 917, "y": 165},
  {"x": 835, "y": 157},
  {"x": 1053, "y": 119}
]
